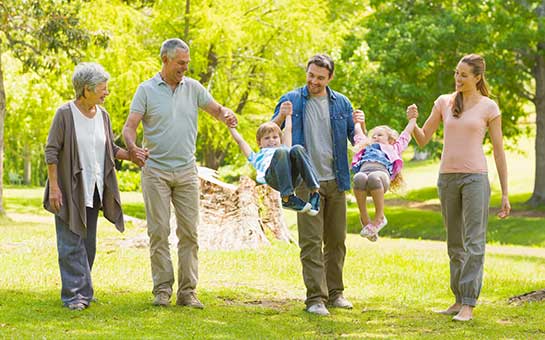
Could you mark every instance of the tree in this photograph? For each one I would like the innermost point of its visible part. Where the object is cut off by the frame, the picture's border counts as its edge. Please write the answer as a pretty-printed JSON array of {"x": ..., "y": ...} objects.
[
  {"x": 40, "y": 34},
  {"x": 412, "y": 47},
  {"x": 518, "y": 34},
  {"x": 246, "y": 53}
]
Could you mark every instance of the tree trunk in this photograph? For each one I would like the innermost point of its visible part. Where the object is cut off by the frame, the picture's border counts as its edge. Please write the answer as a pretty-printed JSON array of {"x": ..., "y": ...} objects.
[
  {"x": 213, "y": 157},
  {"x": 2, "y": 116},
  {"x": 186, "y": 19},
  {"x": 27, "y": 166},
  {"x": 538, "y": 195}
]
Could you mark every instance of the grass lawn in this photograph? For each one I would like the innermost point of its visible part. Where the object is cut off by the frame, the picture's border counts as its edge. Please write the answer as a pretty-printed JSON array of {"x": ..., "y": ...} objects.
[{"x": 395, "y": 283}]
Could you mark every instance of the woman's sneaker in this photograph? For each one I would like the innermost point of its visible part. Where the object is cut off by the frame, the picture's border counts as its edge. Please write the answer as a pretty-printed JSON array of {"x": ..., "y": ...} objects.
[
  {"x": 296, "y": 204},
  {"x": 314, "y": 201}
]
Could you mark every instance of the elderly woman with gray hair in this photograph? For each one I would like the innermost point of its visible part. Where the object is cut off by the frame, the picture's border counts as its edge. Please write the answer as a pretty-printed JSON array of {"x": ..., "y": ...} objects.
[{"x": 80, "y": 155}]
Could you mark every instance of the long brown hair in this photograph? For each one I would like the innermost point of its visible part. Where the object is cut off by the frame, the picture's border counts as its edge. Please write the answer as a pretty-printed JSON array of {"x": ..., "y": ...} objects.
[{"x": 478, "y": 67}]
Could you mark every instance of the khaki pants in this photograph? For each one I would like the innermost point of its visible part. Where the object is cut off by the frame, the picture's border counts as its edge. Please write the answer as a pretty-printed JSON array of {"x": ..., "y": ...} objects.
[
  {"x": 321, "y": 239},
  {"x": 181, "y": 187},
  {"x": 464, "y": 205}
]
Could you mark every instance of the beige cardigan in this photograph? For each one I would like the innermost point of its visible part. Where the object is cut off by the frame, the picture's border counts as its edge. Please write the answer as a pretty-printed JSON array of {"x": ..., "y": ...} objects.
[{"x": 62, "y": 149}]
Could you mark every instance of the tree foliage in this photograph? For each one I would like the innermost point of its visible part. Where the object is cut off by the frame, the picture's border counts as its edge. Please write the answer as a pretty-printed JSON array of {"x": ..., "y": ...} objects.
[
  {"x": 413, "y": 47},
  {"x": 41, "y": 34}
]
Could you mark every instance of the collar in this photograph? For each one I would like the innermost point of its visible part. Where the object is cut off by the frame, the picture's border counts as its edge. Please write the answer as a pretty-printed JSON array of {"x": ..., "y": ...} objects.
[{"x": 159, "y": 80}]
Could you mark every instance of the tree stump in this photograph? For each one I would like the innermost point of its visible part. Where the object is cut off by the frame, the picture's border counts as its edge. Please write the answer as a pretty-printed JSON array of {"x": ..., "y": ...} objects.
[
  {"x": 231, "y": 217},
  {"x": 270, "y": 211}
]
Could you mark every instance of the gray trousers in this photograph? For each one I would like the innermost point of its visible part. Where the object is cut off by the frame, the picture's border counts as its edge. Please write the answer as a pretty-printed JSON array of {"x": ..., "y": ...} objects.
[
  {"x": 464, "y": 205},
  {"x": 76, "y": 258},
  {"x": 181, "y": 187}
]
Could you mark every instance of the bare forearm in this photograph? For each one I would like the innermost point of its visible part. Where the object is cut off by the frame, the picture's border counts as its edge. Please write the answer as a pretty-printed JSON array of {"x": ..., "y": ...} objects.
[
  {"x": 411, "y": 125},
  {"x": 279, "y": 119},
  {"x": 122, "y": 154},
  {"x": 501, "y": 166},
  {"x": 129, "y": 135},
  {"x": 242, "y": 144},
  {"x": 419, "y": 136}
]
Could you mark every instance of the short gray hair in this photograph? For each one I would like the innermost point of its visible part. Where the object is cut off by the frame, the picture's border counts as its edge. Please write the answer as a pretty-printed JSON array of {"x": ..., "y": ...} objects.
[
  {"x": 90, "y": 75},
  {"x": 170, "y": 46}
]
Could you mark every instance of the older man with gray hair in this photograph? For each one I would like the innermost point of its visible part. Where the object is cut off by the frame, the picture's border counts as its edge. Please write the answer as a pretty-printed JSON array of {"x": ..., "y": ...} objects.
[{"x": 168, "y": 106}]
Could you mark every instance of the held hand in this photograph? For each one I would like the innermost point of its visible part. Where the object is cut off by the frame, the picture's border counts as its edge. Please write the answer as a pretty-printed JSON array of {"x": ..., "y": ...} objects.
[
  {"x": 55, "y": 198},
  {"x": 138, "y": 155},
  {"x": 412, "y": 111},
  {"x": 505, "y": 208},
  {"x": 229, "y": 117},
  {"x": 358, "y": 116},
  {"x": 286, "y": 109}
]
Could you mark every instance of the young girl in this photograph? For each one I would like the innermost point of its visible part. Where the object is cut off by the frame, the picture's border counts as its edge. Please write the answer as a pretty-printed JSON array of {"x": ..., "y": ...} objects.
[{"x": 377, "y": 165}]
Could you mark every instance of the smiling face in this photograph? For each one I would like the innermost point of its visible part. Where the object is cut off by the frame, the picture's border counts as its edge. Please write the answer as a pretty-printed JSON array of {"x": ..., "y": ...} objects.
[
  {"x": 174, "y": 69},
  {"x": 465, "y": 79},
  {"x": 317, "y": 80},
  {"x": 381, "y": 136},
  {"x": 270, "y": 140},
  {"x": 98, "y": 95}
]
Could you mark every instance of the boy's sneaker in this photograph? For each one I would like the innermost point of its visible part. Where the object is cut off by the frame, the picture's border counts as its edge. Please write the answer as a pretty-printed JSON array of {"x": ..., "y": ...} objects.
[
  {"x": 314, "y": 201},
  {"x": 296, "y": 204}
]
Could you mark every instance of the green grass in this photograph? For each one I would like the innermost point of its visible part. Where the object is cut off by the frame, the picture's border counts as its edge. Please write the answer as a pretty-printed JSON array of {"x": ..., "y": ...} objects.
[{"x": 395, "y": 284}]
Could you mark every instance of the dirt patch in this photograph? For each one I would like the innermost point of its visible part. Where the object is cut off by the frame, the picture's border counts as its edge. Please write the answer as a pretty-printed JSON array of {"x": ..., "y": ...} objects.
[{"x": 273, "y": 304}]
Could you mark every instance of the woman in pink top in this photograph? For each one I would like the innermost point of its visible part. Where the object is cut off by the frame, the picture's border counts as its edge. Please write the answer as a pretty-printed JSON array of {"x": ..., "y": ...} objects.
[{"x": 463, "y": 186}]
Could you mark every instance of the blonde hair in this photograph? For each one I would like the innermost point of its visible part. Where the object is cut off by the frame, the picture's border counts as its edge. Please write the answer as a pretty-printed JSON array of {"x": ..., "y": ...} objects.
[
  {"x": 397, "y": 182},
  {"x": 393, "y": 135},
  {"x": 266, "y": 128}
]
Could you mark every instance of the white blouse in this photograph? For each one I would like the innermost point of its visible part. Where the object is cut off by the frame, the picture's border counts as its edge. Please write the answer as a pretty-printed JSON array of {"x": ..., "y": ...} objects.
[{"x": 91, "y": 139}]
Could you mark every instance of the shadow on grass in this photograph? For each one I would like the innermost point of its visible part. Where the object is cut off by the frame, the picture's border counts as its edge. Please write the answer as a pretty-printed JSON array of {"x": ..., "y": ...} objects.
[{"x": 405, "y": 222}]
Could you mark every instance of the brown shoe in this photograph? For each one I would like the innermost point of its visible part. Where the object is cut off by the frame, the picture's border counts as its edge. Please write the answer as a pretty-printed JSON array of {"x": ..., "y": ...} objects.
[
  {"x": 189, "y": 300},
  {"x": 161, "y": 299}
]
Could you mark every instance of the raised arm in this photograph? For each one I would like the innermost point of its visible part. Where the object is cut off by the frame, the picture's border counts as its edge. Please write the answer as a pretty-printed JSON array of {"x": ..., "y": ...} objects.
[
  {"x": 496, "y": 136},
  {"x": 221, "y": 113},
  {"x": 411, "y": 125},
  {"x": 423, "y": 135},
  {"x": 286, "y": 110},
  {"x": 244, "y": 147}
]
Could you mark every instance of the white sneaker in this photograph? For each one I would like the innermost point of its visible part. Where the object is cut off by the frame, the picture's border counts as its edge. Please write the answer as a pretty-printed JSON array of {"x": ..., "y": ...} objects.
[{"x": 318, "y": 309}]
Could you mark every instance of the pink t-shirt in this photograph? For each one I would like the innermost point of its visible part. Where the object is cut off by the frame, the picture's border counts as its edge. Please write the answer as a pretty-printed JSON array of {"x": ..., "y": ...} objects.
[{"x": 464, "y": 136}]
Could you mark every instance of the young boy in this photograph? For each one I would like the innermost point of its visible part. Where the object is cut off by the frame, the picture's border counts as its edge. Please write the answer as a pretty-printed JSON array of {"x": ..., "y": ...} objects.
[{"x": 281, "y": 165}]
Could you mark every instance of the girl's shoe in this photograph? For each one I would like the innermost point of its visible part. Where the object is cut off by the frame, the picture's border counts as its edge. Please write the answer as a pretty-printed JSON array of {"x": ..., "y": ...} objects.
[{"x": 371, "y": 231}]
